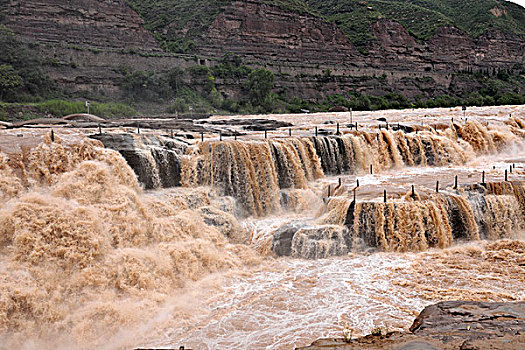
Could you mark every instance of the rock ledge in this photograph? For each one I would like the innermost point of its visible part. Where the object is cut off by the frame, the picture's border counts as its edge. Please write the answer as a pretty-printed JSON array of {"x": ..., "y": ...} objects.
[{"x": 449, "y": 325}]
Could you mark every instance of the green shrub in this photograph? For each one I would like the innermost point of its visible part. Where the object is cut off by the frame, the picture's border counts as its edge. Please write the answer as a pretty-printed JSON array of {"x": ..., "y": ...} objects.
[{"x": 179, "y": 105}]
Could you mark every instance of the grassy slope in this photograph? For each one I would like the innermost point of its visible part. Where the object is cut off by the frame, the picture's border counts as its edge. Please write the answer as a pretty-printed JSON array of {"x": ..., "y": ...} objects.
[{"x": 421, "y": 17}]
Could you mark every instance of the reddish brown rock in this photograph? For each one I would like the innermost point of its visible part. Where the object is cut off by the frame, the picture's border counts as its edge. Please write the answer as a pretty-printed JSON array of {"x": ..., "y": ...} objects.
[
  {"x": 261, "y": 32},
  {"x": 449, "y": 325},
  {"x": 101, "y": 24},
  {"x": 89, "y": 41}
]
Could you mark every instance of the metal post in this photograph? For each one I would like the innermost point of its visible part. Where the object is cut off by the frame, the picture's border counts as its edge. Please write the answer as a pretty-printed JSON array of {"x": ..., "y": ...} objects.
[
  {"x": 371, "y": 168},
  {"x": 329, "y": 191},
  {"x": 437, "y": 186},
  {"x": 483, "y": 177},
  {"x": 99, "y": 129},
  {"x": 357, "y": 182},
  {"x": 456, "y": 182},
  {"x": 511, "y": 169},
  {"x": 316, "y": 131},
  {"x": 52, "y": 136},
  {"x": 138, "y": 128},
  {"x": 235, "y": 136},
  {"x": 337, "y": 128},
  {"x": 413, "y": 191},
  {"x": 356, "y": 126},
  {"x": 290, "y": 132},
  {"x": 377, "y": 136},
  {"x": 265, "y": 134},
  {"x": 506, "y": 175},
  {"x": 202, "y": 137},
  {"x": 384, "y": 196}
]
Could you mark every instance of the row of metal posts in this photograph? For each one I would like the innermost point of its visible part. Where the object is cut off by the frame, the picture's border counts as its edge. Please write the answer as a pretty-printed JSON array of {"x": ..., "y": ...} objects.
[
  {"x": 351, "y": 126},
  {"x": 456, "y": 183}
]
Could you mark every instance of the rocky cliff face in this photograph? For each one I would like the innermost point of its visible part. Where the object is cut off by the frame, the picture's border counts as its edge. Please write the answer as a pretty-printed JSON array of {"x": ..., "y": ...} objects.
[
  {"x": 449, "y": 50},
  {"x": 263, "y": 33},
  {"x": 89, "y": 41},
  {"x": 266, "y": 33},
  {"x": 101, "y": 24}
]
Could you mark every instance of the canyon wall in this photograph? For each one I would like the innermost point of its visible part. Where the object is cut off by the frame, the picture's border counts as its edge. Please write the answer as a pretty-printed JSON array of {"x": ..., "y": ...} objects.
[
  {"x": 100, "y": 24},
  {"x": 90, "y": 41}
]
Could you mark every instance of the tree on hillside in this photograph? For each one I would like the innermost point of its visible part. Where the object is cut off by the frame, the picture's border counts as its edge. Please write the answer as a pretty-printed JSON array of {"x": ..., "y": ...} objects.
[
  {"x": 9, "y": 80},
  {"x": 259, "y": 85},
  {"x": 175, "y": 79}
]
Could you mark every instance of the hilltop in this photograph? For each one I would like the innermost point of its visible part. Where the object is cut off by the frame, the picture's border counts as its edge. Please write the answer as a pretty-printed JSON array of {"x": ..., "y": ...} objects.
[
  {"x": 422, "y": 18},
  {"x": 178, "y": 23}
]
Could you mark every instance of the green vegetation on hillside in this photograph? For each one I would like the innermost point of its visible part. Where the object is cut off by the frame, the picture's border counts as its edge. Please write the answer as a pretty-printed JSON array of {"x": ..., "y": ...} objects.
[
  {"x": 422, "y": 17},
  {"x": 202, "y": 89},
  {"x": 26, "y": 89},
  {"x": 178, "y": 23},
  {"x": 196, "y": 87},
  {"x": 21, "y": 74}
]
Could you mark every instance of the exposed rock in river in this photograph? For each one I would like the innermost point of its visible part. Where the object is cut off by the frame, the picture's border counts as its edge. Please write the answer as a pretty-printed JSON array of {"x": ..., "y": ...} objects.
[
  {"x": 448, "y": 325},
  {"x": 155, "y": 159}
]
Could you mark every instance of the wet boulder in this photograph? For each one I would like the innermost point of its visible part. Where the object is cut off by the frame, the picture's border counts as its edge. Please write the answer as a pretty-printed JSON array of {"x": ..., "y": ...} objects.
[
  {"x": 319, "y": 242},
  {"x": 282, "y": 238}
]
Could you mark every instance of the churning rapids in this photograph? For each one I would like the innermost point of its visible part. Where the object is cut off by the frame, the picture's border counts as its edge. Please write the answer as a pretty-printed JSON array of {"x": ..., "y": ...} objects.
[{"x": 120, "y": 240}]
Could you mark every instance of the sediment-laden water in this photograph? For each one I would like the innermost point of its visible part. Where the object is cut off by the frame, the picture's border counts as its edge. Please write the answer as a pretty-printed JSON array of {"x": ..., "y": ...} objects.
[{"x": 89, "y": 258}]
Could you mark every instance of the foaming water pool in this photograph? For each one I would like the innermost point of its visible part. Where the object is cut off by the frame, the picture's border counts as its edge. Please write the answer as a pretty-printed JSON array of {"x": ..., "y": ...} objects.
[{"x": 288, "y": 302}]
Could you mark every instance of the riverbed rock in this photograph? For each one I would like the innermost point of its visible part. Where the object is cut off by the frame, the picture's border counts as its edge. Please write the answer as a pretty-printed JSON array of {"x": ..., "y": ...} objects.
[
  {"x": 282, "y": 238},
  {"x": 448, "y": 325},
  {"x": 320, "y": 242},
  {"x": 252, "y": 124},
  {"x": 155, "y": 159},
  {"x": 300, "y": 240}
]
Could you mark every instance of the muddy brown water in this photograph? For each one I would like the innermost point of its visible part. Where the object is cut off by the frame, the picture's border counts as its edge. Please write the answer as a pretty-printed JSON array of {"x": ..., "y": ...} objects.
[{"x": 89, "y": 259}]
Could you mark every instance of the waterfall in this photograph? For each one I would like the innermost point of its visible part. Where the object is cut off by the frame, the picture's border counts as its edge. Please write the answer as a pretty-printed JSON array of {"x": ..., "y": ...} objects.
[
  {"x": 155, "y": 159},
  {"x": 491, "y": 211},
  {"x": 255, "y": 172}
]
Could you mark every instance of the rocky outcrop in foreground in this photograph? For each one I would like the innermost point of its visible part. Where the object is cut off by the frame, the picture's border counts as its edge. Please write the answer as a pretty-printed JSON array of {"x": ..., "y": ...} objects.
[{"x": 449, "y": 325}]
